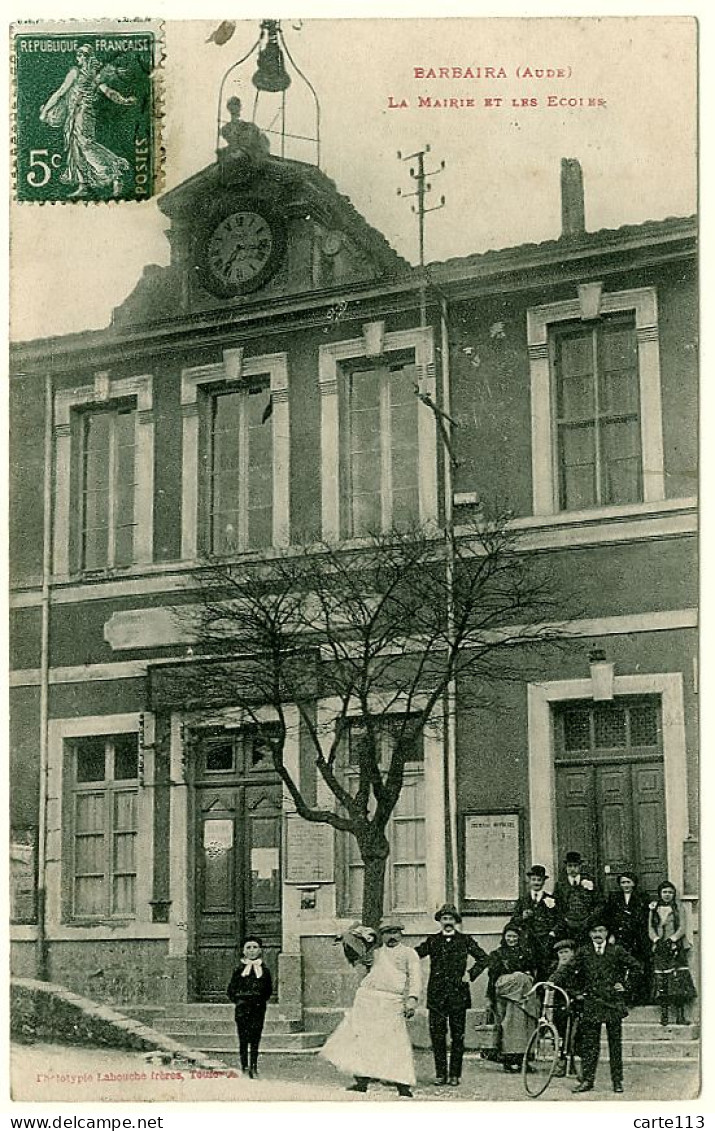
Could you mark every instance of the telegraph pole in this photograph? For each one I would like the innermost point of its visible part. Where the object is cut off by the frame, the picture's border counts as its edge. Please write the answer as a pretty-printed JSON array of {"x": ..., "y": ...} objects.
[
  {"x": 419, "y": 175},
  {"x": 445, "y": 425}
]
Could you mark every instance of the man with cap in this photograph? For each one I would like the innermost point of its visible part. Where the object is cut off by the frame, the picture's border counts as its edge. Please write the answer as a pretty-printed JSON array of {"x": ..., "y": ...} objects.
[
  {"x": 567, "y": 975},
  {"x": 605, "y": 969},
  {"x": 576, "y": 899},
  {"x": 372, "y": 1042},
  {"x": 448, "y": 996},
  {"x": 537, "y": 914}
]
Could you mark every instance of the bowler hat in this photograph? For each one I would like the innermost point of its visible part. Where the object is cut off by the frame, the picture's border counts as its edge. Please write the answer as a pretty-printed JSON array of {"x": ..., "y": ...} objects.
[
  {"x": 537, "y": 870},
  {"x": 574, "y": 858},
  {"x": 564, "y": 944},
  {"x": 448, "y": 909},
  {"x": 390, "y": 923},
  {"x": 597, "y": 920}
]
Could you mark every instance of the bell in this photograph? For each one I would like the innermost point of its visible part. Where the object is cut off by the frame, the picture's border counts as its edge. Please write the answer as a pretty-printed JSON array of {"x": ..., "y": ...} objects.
[{"x": 271, "y": 74}]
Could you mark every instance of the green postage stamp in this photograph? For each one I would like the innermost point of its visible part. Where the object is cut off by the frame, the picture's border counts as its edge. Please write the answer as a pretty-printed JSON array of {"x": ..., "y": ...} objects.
[{"x": 86, "y": 110}]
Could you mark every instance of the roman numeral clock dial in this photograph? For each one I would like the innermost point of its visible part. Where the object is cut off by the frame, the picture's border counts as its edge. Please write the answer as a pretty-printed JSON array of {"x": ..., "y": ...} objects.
[{"x": 240, "y": 251}]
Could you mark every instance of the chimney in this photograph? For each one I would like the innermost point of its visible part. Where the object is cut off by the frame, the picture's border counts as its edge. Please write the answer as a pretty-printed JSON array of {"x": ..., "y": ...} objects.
[{"x": 573, "y": 221}]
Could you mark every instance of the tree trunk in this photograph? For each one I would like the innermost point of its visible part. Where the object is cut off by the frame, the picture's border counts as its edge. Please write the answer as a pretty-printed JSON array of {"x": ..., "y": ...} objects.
[{"x": 373, "y": 892}]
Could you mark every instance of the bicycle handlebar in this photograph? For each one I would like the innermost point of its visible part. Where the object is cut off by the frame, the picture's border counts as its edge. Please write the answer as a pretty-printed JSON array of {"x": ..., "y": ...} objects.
[{"x": 551, "y": 986}]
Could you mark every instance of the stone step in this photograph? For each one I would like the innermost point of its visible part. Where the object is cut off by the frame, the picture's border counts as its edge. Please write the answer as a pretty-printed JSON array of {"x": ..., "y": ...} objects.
[
  {"x": 218, "y": 1043},
  {"x": 651, "y": 1031},
  {"x": 225, "y": 1025},
  {"x": 657, "y": 1050},
  {"x": 178, "y": 1023}
]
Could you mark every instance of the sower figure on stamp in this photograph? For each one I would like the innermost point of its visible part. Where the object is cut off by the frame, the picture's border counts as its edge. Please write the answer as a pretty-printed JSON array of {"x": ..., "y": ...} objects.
[
  {"x": 250, "y": 987},
  {"x": 89, "y": 166},
  {"x": 448, "y": 996},
  {"x": 576, "y": 898},
  {"x": 372, "y": 1042},
  {"x": 605, "y": 972},
  {"x": 537, "y": 914}
]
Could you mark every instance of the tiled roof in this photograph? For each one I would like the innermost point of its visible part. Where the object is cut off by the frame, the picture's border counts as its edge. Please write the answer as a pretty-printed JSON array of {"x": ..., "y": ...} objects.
[{"x": 648, "y": 232}]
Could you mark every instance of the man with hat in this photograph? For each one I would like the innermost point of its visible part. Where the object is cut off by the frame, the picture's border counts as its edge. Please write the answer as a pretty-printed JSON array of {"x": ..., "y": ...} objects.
[
  {"x": 372, "y": 1042},
  {"x": 567, "y": 975},
  {"x": 576, "y": 899},
  {"x": 448, "y": 996},
  {"x": 537, "y": 914},
  {"x": 605, "y": 968}
]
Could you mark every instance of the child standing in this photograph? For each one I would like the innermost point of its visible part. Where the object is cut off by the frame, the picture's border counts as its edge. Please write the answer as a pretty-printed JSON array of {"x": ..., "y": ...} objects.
[
  {"x": 249, "y": 989},
  {"x": 673, "y": 982}
]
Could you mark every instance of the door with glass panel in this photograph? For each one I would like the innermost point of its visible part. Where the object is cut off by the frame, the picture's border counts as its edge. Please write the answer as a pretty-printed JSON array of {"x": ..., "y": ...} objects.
[
  {"x": 610, "y": 793},
  {"x": 238, "y": 857}
]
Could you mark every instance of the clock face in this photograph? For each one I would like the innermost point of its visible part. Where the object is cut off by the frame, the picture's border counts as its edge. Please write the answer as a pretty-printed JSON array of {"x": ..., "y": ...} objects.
[{"x": 241, "y": 251}]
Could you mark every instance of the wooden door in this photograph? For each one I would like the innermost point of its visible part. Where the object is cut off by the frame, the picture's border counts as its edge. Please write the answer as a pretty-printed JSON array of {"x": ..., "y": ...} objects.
[
  {"x": 575, "y": 805},
  {"x": 238, "y": 879},
  {"x": 648, "y": 791},
  {"x": 614, "y": 815},
  {"x": 614, "y": 822},
  {"x": 262, "y": 869}
]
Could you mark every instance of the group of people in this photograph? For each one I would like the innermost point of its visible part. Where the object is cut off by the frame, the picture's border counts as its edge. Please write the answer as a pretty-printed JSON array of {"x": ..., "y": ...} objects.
[
  {"x": 603, "y": 952},
  {"x": 653, "y": 932}
]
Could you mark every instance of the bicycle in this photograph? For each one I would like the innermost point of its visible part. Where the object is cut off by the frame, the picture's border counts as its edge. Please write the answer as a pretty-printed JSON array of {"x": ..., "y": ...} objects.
[{"x": 547, "y": 1048}]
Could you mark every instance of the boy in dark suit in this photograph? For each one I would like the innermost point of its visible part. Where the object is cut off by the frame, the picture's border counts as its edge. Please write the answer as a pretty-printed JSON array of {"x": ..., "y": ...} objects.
[
  {"x": 537, "y": 913},
  {"x": 605, "y": 969},
  {"x": 448, "y": 996},
  {"x": 249, "y": 989}
]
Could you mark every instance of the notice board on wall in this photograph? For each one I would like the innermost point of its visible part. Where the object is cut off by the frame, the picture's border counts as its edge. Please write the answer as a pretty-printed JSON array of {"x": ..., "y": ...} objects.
[
  {"x": 309, "y": 852},
  {"x": 491, "y": 856}
]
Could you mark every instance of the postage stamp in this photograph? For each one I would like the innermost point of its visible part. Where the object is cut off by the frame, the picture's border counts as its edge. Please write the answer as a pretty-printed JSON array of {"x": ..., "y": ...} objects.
[{"x": 86, "y": 125}]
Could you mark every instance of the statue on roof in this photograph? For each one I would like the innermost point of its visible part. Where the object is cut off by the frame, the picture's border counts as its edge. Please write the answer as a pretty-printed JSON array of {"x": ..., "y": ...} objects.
[{"x": 245, "y": 142}]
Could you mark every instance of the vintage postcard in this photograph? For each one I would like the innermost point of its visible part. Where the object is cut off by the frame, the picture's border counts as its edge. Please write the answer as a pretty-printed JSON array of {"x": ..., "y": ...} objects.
[{"x": 353, "y": 409}]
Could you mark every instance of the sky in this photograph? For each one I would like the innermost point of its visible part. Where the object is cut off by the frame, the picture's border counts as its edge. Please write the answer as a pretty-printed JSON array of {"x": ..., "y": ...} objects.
[{"x": 72, "y": 264}]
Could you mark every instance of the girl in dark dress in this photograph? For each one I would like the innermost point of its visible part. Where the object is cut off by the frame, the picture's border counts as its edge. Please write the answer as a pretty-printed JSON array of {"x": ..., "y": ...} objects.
[
  {"x": 249, "y": 989},
  {"x": 672, "y": 979},
  {"x": 511, "y": 976},
  {"x": 627, "y": 921}
]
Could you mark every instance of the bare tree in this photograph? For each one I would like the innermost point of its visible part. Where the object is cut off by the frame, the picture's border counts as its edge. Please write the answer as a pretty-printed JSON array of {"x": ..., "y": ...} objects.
[{"x": 382, "y": 629}]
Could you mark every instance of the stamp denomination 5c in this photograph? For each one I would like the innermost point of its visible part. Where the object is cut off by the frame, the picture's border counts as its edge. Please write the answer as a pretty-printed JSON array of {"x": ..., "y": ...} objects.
[{"x": 86, "y": 111}]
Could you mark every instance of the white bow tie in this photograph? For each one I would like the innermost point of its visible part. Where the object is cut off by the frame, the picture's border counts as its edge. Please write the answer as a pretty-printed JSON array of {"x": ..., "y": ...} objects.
[{"x": 255, "y": 964}]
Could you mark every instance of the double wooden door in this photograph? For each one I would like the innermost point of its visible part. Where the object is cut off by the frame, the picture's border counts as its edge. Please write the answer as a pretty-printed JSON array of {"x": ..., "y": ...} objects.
[
  {"x": 613, "y": 813},
  {"x": 238, "y": 878}
]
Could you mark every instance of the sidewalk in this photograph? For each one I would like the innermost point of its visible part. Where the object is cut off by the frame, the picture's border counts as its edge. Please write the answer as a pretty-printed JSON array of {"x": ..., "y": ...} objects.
[{"x": 47, "y": 1073}]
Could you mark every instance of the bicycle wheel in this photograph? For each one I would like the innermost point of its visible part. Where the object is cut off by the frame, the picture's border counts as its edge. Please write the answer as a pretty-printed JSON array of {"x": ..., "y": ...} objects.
[{"x": 540, "y": 1058}]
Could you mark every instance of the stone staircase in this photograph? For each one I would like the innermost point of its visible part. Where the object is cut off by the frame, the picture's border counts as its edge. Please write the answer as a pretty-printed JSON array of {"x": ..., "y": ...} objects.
[
  {"x": 644, "y": 1038},
  {"x": 211, "y": 1029}
]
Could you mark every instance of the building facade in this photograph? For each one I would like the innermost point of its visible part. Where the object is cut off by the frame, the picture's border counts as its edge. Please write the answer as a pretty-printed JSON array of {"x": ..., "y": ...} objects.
[{"x": 227, "y": 408}]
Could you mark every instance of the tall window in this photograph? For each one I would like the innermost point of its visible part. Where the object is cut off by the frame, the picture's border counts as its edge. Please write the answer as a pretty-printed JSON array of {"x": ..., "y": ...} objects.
[
  {"x": 241, "y": 470},
  {"x": 104, "y": 831},
  {"x": 598, "y": 432},
  {"x": 108, "y": 488},
  {"x": 379, "y": 465},
  {"x": 406, "y": 873}
]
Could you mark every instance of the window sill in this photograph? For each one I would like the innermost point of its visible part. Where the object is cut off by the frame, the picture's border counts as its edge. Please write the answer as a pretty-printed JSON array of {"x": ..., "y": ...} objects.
[{"x": 592, "y": 514}]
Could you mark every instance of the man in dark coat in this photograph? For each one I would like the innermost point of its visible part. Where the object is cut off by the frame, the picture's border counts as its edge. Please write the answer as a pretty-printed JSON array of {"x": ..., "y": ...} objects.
[
  {"x": 576, "y": 899},
  {"x": 537, "y": 914},
  {"x": 605, "y": 971},
  {"x": 448, "y": 996}
]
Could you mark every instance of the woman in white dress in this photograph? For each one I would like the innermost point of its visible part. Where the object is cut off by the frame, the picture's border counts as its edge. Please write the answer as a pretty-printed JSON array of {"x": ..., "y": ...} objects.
[{"x": 372, "y": 1042}]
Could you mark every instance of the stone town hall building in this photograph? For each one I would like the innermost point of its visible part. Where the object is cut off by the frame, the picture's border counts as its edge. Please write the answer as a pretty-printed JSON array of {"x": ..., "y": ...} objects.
[{"x": 222, "y": 405}]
